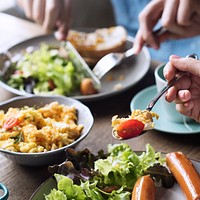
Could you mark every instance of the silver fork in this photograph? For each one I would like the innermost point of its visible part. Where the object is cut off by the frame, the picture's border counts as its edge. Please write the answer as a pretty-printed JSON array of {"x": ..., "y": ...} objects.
[
  {"x": 169, "y": 84},
  {"x": 111, "y": 60}
]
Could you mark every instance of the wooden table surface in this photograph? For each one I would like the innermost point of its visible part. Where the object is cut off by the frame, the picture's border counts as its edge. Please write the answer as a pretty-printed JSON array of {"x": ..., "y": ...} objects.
[{"x": 23, "y": 181}]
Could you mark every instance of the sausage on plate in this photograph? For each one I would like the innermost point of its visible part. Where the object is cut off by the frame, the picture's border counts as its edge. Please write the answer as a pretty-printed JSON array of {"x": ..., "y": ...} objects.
[
  {"x": 144, "y": 189},
  {"x": 185, "y": 174}
]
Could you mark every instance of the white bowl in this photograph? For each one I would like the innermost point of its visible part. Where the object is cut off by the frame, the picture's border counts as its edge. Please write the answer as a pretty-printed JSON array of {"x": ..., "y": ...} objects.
[{"x": 55, "y": 156}]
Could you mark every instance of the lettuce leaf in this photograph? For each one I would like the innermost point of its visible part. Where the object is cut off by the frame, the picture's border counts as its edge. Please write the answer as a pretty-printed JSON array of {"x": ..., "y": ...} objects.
[
  {"x": 56, "y": 195},
  {"x": 47, "y": 64},
  {"x": 108, "y": 176},
  {"x": 123, "y": 166},
  {"x": 86, "y": 191}
]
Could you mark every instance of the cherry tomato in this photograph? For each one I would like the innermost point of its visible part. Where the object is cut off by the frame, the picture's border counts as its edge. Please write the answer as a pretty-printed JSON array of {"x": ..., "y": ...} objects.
[
  {"x": 130, "y": 128},
  {"x": 10, "y": 123}
]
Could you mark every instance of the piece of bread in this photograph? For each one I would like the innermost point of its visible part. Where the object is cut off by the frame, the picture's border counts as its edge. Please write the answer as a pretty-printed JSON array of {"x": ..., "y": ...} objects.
[{"x": 94, "y": 45}]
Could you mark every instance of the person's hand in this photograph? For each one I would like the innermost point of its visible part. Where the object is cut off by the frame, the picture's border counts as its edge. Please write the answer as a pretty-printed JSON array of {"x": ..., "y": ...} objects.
[
  {"x": 53, "y": 15},
  {"x": 181, "y": 19},
  {"x": 186, "y": 92}
]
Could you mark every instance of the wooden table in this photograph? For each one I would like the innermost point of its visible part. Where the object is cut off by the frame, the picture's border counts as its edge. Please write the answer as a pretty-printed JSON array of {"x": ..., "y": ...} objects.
[{"x": 23, "y": 181}]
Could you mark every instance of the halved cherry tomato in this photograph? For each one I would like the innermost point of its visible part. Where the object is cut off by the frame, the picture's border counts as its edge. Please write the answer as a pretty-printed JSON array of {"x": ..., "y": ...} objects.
[
  {"x": 130, "y": 128},
  {"x": 10, "y": 123}
]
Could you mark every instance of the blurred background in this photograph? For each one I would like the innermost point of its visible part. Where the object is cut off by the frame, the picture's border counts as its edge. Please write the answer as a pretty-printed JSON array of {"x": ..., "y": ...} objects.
[{"x": 86, "y": 13}]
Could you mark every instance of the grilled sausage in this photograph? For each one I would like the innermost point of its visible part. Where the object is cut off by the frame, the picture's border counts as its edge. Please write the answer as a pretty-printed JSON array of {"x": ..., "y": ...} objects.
[
  {"x": 185, "y": 174},
  {"x": 144, "y": 189}
]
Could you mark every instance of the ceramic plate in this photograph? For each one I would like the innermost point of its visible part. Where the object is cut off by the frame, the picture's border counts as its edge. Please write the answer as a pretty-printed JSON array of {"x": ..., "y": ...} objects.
[
  {"x": 162, "y": 194},
  {"x": 141, "y": 100},
  {"x": 117, "y": 80}
]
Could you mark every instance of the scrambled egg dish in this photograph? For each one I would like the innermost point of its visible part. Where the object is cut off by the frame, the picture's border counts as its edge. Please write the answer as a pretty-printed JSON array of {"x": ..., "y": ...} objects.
[{"x": 31, "y": 130}]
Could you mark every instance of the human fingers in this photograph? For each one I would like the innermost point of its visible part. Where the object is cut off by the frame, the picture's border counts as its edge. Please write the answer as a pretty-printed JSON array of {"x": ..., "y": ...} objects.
[
  {"x": 184, "y": 104},
  {"x": 190, "y": 65},
  {"x": 27, "y": 7},
  {"x": 174, "y": 19},
  {"x": 185, "y": 108},
  {"x": 181, "y": 19},
  {"x": 171, "y": 94},
  {"x": 148, "y": 18},
  {"x": 52, "y": 10},
  {"x": 180, "y": 88},
  {"x": 190, "y": 109},
  {"x": 168, "y": 18},
  {"x": 64, "y": 21},
  {"x": 183, "y": 96},
  {"x": 39, "y": 10},
  {"x": 184, "y": 12},
  {"x": 179, "y": 32},
  {"x": 169, "y": 70},
  {"x": 138, "y": 43}
]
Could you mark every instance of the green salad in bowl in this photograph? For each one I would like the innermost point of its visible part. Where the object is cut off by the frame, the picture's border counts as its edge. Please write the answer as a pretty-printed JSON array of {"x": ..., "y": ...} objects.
[{"x": 50, "y": 70}]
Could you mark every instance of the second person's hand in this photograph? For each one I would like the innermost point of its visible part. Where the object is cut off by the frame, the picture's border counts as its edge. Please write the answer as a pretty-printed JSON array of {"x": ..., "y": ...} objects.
[
  {"x": 53, "y": 15},
  {"x": 181, "y": 19}
]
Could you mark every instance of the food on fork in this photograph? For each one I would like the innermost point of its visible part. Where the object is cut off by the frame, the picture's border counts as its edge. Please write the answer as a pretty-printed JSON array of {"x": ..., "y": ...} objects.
[
  {"x": 94, "y": 45},
  {"x": 144, "y": 189},
  {"x": 134, "y": 124},
  {"x": 185, "y": 174}
]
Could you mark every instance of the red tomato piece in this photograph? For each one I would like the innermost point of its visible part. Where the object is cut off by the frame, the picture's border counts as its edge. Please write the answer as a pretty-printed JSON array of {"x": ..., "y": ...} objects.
[
  {"x": 130, "y": 128},
  {"x": 10, "y": 123}
]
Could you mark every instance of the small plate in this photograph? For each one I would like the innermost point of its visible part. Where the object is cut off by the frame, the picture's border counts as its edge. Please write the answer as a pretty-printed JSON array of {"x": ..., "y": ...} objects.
[
  {"x": 119, "y": 79},
  {"x": 141, "y": 100}
]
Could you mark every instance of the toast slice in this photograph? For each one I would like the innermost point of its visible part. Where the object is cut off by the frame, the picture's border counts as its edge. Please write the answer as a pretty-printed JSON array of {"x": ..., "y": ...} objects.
[{"x": 95, "y": 45}]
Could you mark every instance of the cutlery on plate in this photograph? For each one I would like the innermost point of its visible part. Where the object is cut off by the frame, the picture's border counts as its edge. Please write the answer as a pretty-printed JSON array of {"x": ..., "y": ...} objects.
[
  {"x": 104, "y": 65},
  {"x": 111, "y": 60}
]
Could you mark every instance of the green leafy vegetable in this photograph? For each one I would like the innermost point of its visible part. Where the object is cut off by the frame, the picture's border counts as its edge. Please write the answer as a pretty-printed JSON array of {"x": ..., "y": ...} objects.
[
  {"x": 105, "y": 176},
  {"x": 161, "y": 175},
  {"x": 56, "y": 195},
  {"x": 123, "y": 167},
  {"x": 48, "y": 71}
]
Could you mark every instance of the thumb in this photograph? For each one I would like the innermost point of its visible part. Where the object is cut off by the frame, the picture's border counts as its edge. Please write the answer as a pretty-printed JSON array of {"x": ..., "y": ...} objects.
[{"x": 190, "y": 65}]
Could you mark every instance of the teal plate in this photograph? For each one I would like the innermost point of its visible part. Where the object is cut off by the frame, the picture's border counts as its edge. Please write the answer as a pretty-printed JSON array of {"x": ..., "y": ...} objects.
[{"x": 142, "y": 99}]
